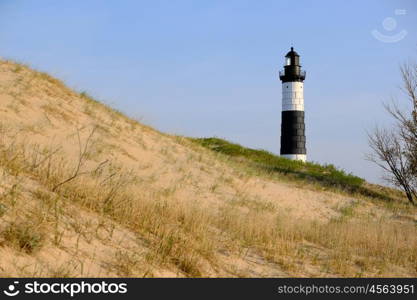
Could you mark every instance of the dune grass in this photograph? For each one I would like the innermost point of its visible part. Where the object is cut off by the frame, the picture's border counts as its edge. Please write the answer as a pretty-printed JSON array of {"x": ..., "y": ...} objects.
[
  {"x": 262, "y": 161},
  {"x": 24, "y": 236}
]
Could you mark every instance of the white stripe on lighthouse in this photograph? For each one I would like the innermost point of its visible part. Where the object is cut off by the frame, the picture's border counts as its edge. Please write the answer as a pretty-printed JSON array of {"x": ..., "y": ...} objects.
[
  {"x": 292, "y": 96},
  {"x": 301, "y": 157}
]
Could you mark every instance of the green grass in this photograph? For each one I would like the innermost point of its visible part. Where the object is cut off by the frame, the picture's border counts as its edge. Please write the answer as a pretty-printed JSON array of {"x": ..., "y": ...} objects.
[{"x": 264, "y": 161}]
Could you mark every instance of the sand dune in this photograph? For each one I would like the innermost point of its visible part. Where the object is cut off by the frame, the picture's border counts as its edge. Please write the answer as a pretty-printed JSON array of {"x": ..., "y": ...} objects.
[{"x": 144, "y": 203}]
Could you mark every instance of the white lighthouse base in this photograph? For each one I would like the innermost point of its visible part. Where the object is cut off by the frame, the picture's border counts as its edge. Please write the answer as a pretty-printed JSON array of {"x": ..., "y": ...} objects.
[{"x": 301, "y": 157}]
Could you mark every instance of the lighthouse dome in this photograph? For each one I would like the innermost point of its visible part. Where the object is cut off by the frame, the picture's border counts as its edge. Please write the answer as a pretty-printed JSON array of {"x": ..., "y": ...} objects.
[{"x": 292, "y": 53}]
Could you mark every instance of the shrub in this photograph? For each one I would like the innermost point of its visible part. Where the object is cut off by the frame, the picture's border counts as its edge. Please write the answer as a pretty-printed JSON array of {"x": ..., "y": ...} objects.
[{"x": 24, "y": 236}]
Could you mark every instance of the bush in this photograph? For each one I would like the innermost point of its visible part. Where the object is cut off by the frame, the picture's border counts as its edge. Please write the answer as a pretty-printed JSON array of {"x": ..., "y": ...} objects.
[{"x": 23, "y": 236}]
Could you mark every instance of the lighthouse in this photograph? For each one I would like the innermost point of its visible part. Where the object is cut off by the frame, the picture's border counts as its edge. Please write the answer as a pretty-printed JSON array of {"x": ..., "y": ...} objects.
[{"x": 293, "y": 139}]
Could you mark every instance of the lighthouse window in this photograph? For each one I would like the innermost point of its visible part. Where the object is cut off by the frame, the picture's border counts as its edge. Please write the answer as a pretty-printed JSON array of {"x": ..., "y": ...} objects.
[{"x": 287, "y": 61}]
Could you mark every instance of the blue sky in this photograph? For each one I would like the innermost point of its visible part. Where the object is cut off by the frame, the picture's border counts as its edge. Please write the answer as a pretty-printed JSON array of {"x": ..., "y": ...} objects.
[{"x": 210, "y": 68}]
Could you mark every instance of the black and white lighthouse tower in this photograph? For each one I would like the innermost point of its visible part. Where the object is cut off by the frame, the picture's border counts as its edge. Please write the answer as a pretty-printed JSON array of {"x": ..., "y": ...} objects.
[{"x": 293, "y": 139}]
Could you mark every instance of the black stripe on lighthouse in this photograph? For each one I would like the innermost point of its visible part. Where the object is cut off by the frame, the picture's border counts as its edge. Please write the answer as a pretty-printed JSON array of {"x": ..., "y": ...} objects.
[{"x": 293, "y": 139}]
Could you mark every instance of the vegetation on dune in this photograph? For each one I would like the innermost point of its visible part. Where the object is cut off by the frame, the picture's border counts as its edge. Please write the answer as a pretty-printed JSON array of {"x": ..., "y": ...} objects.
[
  {"x": 24, "y": 236},
  {"x": 266, "y": 161},
  {"x": 262, "y": 159},
  {"x": 327, "y": 175}
]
